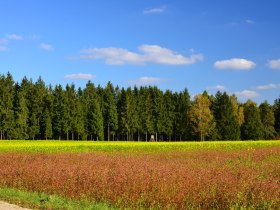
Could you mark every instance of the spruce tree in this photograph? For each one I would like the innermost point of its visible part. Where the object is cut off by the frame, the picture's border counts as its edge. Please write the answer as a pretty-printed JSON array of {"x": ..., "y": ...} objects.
[
  {"x": 20, "y": 114},
  {"x": 6, "y": 106},
  {"x": 58, "y": 118},
  {"x": 110, "y": 114},
  {"x": 227, "y": 122},
  {"x": 276, "y": 108},
  {"x": 183, "y": 110},
  {"x": 268, "y": 120},
  {"x": 252, "y": 127}
]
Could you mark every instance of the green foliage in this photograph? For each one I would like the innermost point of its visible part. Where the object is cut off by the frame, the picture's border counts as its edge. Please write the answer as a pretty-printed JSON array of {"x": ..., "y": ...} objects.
[
  {"x": 43, "y": 201},
  {"x": 252, "y": 127},
  {"x": 276, "y": 108},
  {"x": 267, "y": 118},
  {"x": 226, "y": 120},
  {"x": 34, "y": 111},
  {"x": 110, "y": 113},
  {"x": 201, "y": 117}
]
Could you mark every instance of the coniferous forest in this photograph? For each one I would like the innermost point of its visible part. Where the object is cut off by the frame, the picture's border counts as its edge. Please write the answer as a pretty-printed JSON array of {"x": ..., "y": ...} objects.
[{"x": 34, "y": 110}]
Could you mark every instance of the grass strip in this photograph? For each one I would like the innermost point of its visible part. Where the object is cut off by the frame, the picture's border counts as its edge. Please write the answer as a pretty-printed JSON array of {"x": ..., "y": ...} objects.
[{"x": 35, "y": 200}]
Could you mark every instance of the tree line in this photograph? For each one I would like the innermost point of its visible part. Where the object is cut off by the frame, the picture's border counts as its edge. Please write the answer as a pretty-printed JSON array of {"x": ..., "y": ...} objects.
[{"x": 33, "y": 110}]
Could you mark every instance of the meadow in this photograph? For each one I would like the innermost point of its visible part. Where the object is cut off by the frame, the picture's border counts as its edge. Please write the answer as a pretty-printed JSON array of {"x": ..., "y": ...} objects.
[{"x": 132, "y": 175}]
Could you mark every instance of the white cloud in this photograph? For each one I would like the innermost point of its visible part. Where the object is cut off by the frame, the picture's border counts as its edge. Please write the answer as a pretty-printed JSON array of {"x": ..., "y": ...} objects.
[
  {"x": 217, "y": 88},
  {"x": 79, "y": 76},
  {"x": 149, "y": 54},
  {"x": 14, "y": 37},
  {"x": 234, "y": 64},
  {"x": 112, "y": 56},
  {"x": 247, "y": 94},
  {"x": 142, "y": 81},
  {"x": 274, "y": 64},
  {"x": 3, "y": 49},
  {"x": 45, "y": 46},
  {"x": 268, "y": 87},
  {"x": 156, "y": 10},
  {"x": 249, "y": 21}
]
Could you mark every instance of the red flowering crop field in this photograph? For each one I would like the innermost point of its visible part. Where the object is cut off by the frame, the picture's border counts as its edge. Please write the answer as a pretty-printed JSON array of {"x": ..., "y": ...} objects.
[{"x": 175, "y": 179}]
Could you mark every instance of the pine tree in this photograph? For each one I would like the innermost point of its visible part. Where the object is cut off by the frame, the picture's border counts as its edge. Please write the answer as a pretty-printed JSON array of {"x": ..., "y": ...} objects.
[
  {"x": 70, "y": 111},
  {"x": 169, "y": 104},
  {"x": 20, "y": 114},
  {"x": 252, "y": 127},
  {"x": 276, "y": 108},
  {"x": 79, "y": 116},
  {"x": 47, "y": 128},
  {"x": 226, "y": 120},
  {"x": 184, "y": 105},
  {"x": 94, "y": 118},
  {"x": 268, "y": 120},
  {"x": 6, "y": 106},
  {"x": 58, "y": 118},
  {"x": 110, "y": 114}
]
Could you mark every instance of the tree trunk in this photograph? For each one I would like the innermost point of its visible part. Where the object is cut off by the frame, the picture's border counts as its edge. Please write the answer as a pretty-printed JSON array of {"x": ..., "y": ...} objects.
[
  {"x": 146, "y": 136},
  {"x": 156, "y": 137},
  {"x": 108, "y": 132}
]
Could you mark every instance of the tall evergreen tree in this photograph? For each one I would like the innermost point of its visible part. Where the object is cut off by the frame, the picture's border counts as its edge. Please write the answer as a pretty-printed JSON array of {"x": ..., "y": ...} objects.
[
  {"x": 6, "y": 106},
  {"x": 226, "y": 121},
  {"x": 252, "y": 127},
  {"x": 79, "y": 116},
  {"x": 169, "y": 103},
  {"x": 268, "y": 120},
  {"x": 110, "y": 110},
  {"x": 58, "y": 118},
  {"x": 276, "y": 108},
  {"x": 183, "y": 110},
  {"x": 94, "y": 119},
  {"x": 47, "y": 128},
  {"x": 128, "y": 114},
  {"x": 20, "y": 114},
  {"x": 70, "y": 111}
]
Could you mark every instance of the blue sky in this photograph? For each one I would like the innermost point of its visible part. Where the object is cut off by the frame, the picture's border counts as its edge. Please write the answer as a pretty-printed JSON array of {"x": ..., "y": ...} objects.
[{"x": 231, "y": 45}]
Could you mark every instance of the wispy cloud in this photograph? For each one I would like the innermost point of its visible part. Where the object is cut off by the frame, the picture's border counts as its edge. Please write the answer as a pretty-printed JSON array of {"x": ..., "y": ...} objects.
[
  {"x": 274, "y": 64},
  {"x": 3, "y": 49},
  {"x": 79, "y": 76},
  {"x": 217, "y": 88},
  {"x": 248, "y": 21},
  {"x": 249, "y": 94},
  {"x": 234, "y": 64},
  {"x": 156, "y": 10},
  {"x": 148, "y": 54},
  {"x": 45, "y": 46},
  {"x": 3, "y": 41},
  {"x": 14, "y": 37},
  {"x": 268, "y": 87},
  {"x": 142, "y": 81}
]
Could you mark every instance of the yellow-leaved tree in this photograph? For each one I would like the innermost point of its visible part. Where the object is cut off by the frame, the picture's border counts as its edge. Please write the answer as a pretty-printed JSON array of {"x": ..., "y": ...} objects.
[{"x": 201, "y": 117}]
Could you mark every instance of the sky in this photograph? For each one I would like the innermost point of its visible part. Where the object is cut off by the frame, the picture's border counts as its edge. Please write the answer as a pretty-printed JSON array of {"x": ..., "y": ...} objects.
[{"x": 226, "y": 45}]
